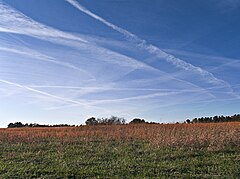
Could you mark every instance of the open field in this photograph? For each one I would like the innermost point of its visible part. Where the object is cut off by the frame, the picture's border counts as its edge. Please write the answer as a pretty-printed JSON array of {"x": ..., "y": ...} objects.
[{"x": 120, "y": 151}]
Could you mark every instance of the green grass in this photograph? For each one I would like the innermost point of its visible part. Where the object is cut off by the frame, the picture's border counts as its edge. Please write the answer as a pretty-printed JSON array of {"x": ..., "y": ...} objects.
[{"x": 114, "y": 159}]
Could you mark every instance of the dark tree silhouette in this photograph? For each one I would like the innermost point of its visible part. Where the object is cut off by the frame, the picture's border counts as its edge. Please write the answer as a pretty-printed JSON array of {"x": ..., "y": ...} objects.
[
  {"x": 216, "y": 119},
  {"x": 15, "y": 125},
  {"x": 11, "y": 125},
  {"x": 91, "y": 121},
  {"x": 137, "y": 121},
  {"x": 20, "y": 125},
  {"x": 110, "y": 121}
]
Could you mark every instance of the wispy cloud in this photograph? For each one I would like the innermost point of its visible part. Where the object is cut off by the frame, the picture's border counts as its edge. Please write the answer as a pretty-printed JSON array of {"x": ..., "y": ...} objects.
[
  {"x": 13, "y": 21},
  {"x": 151, "y": 48},
  {"x": 135, "y": 98},
  {"x": 117, "y": 61},
  {"x": 36, "y": 55},
  {"x": 97, "y": 88},
  {"x": 61, "y": 100},
  {"x": 42, "y": 93},
  {"x": 12, "y": 18}
]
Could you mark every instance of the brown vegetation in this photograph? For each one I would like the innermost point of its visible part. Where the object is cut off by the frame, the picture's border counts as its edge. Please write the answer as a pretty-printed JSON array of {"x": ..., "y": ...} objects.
[{"x": 211, "y": 135}]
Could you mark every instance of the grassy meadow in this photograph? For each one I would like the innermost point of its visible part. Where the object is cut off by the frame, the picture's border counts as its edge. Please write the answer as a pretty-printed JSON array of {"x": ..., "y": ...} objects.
[{"x": 122, "y": 151}]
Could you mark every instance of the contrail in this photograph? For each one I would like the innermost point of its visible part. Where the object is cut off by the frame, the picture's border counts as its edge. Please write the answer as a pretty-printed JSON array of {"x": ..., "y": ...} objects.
[
  {"x": 42, "y": 57},
  {"x": 67, "y": 100},
  {"x": 141, "y": 97},
  {"x": 13, "y": 21},
  {"x": 151, "y": 48},
  {"x": 86, "y": 11},
  {"x": 126, "y": 88},
  {"x": 43, "y": 93}
]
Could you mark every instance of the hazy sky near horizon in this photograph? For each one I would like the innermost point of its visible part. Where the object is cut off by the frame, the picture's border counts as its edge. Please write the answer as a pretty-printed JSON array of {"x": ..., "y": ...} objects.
[{"x": 62, "y": 61}]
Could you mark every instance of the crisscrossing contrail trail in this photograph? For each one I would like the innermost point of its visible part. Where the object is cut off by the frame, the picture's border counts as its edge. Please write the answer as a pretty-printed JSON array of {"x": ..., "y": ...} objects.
[{"x": 153, "y": 49}]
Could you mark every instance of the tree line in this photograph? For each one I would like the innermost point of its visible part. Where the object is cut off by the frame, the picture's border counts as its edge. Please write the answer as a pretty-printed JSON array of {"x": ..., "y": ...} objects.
[
  {"x": 113, "y": 120},
  {"x": 234, "y": 118},
  {"x": 21, "y": 125}
]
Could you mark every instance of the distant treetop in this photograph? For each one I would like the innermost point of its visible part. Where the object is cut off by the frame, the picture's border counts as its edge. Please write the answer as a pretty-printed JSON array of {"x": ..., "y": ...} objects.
[
  {"x": 113, "y": 120},
  {"x": 137, "y": 121},
  {"x": 215, "y": 119}
]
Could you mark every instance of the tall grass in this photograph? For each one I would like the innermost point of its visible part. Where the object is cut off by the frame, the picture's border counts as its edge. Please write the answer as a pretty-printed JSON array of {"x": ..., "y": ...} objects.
[{"x": 213, "y": 135}]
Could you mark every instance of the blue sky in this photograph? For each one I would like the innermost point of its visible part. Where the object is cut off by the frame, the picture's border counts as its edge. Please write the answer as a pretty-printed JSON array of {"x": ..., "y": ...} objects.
[{"x": 162, "y": 60}]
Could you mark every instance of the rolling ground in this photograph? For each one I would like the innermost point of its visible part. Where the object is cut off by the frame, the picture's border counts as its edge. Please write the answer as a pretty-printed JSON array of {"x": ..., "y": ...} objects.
[{"x": 122, "y": 151}]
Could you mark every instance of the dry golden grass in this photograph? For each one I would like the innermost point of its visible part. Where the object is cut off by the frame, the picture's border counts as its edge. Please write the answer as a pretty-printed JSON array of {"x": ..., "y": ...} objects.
[{"x": 211, "y": 135}]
